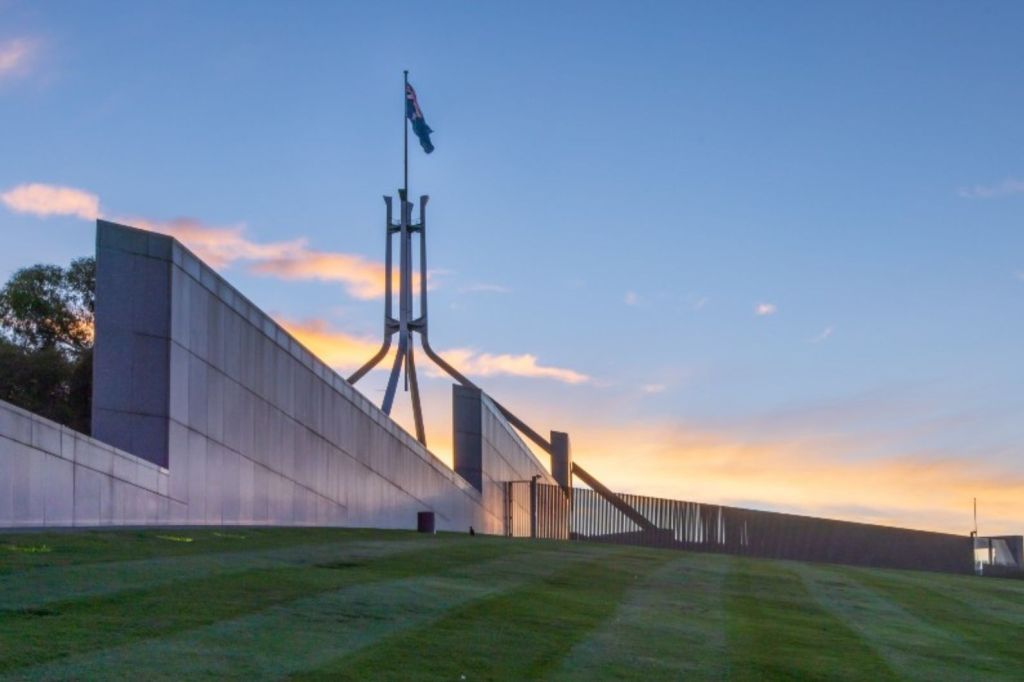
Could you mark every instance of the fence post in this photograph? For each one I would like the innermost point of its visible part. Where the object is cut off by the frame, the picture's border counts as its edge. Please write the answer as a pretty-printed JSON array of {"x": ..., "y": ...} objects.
[
  {"x": 533, "y": 506},
  {"x": 508, "y": 509}
]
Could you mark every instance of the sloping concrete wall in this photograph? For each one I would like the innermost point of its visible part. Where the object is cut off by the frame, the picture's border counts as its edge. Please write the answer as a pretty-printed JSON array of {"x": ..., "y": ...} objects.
[
  {"x": 53, "y": 476},
  {"x": 207, "y": 412},
  {"x": 488, "y": 451},
  {"x": 251, "y": 426}
]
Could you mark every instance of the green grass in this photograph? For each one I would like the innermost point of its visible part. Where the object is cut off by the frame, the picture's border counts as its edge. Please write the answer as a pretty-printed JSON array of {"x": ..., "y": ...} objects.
[{"x": 357, "y": 604}]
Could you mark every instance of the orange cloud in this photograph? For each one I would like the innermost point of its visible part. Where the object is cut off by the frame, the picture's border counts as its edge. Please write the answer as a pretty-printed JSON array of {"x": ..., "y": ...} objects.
[
  {"x": 362, "y": 278},
  {"x": 916, "y": 491},
  {"x": 337, "y": 349},
  {"x": 344, "y": 351},
  {"x": 469, "y": 361},
  {"x": 218, "y": 246},
  {"x": 15, "y": 56},
  {"x": 221, "y": 246},
  {"x": 51, "y": 200}
]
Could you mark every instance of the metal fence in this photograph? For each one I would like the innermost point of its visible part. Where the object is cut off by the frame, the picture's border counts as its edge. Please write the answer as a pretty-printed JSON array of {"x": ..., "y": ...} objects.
[
  {"x": 547, "y": 511},
  {"x": 551, "y": 504}
]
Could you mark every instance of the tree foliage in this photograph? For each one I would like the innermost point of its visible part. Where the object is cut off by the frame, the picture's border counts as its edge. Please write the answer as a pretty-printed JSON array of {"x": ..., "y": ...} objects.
[
  {"x": 47, "y": 307},
  {"x": 46, "y": 332}
]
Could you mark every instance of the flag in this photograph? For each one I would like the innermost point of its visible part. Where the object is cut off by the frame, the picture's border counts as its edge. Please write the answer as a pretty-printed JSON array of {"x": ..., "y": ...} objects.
[{"x": 415, "y": 116}]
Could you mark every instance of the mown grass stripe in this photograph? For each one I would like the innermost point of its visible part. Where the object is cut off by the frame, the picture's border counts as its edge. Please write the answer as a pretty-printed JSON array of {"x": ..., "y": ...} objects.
[
  {"x": 67, "y": 628},
  {"x": 914, "y": 648},
  {"x": 999, "y": 598},
  {"x": 311, "y": 631},
  {"x": 78, "y": 547},
  {"x": 523, "y": 634},
  {"x": 51, "y": 584},
  {"x": 781, "y": 619},
  {"x": 995, "y": 643},
  {"x": 669, "y": 625},
  {"x": 776, "y": 630}
]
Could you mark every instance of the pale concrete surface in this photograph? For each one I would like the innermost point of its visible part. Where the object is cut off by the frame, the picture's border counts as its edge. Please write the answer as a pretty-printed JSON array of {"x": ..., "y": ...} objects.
[
  {"x": 240, "y": 423},
  {"x": 53, "y": 476},
  {"x": 488, "y": 451}
]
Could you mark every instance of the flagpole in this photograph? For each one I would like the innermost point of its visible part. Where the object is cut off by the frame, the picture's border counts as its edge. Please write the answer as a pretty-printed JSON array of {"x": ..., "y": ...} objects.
[{"x": 405, "y": 121}]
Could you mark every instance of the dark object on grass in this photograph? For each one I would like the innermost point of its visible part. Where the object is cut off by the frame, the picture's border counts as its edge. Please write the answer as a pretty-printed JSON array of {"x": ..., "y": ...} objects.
[
  {"x": 471, "y": 531},
  {"x": 425, "y": 522}
]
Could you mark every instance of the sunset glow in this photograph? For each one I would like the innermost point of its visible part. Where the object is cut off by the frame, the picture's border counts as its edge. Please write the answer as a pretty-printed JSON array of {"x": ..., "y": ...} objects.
[{"x": 769, "y": 268}]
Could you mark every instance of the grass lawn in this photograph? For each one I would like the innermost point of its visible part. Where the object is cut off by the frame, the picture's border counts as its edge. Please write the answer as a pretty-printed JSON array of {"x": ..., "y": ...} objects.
[{"x": 358, "y": 604}]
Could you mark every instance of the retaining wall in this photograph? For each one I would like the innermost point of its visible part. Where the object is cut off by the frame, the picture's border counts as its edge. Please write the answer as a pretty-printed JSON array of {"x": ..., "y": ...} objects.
[
  {"x": 53, "y": 476},
  {"x": 488, "y": 451},
  {"x": 242, "y": 423}
]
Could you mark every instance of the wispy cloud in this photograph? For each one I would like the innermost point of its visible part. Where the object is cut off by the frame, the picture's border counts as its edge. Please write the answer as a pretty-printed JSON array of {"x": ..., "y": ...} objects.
[
  {"x": 288, "y": 260},
  {"x": 474, "y": 363},
  {"x": 51, "y": 200},
  {"x": 485, "y": 289},
  {"x": 765, "y": 309},
  {"x": 653, "y": 388},
  {"x": 334, "y": 347},
  {"x": 344, "y": 351},
  {"x": 699, "y": 302},
  {"x": 15, "y": 56},
  {"x": 631, "y": 298},
  {"x": 362, "y": 278},
  {"x": 220, "y": 246},
  {"x": 1001, "y": 189},
  {"x": 824, "y": 334}
]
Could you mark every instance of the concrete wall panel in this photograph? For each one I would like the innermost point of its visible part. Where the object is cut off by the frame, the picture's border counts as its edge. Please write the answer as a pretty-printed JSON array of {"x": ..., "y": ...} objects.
[
  {"x": 229, "y": 420},
  {"x": 53, "y": 476},
  {"x": 488, "y": 452}
]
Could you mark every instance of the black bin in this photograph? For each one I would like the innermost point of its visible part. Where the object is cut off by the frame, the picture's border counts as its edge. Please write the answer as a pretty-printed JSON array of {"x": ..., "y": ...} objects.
[{"x": 425, "y": 522}]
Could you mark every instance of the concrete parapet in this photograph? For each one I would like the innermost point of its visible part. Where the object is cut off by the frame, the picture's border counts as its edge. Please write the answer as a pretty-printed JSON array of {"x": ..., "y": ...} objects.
[
  {"x": 561, "y": 459},
  {"x": 488, "y": 451}
]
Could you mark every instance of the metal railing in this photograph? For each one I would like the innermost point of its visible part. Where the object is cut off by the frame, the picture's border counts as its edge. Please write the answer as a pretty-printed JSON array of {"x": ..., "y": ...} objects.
[{"x": 547, "y": 511}]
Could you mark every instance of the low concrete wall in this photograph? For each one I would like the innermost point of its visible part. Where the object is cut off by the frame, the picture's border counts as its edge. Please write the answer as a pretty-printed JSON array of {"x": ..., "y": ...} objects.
[
  {"x": 251, "y": 427},
  {"x": 53, "y": 476}
]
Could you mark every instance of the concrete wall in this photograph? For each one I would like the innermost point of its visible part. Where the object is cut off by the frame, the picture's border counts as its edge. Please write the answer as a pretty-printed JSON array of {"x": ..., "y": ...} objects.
[
  {"x": 488, "y": 452},
  {"x": 53, "y": 476},
  {"x": 251, "y": 427},
  {"x": 133, "y": 346}
]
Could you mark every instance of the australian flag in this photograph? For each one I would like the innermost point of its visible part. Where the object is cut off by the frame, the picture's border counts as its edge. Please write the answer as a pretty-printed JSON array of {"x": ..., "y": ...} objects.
[{"x": 415, "y": 116}]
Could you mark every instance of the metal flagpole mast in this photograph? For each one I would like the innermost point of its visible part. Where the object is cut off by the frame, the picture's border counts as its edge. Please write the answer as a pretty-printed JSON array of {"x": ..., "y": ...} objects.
[
  {"x": 406, "y": 325},
  {"x": 405, "y": 122},
  {"x": 410, "y": 363}
]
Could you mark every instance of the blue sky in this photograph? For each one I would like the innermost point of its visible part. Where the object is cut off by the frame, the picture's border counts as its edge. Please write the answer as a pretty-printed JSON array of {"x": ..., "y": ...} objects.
[{"x": 617, "y": 189}]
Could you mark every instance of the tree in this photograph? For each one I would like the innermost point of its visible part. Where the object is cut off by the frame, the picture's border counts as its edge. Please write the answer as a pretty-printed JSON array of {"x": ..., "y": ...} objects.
[
  {"x": 46, "y": 333},
  {"x": 48, "y": 307},
  {"x": 36, "y": 381}
]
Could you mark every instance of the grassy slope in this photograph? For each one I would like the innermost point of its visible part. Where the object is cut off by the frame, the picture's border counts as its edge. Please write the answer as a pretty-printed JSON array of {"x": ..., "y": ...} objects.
[{"x": 330, "y": 604}]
